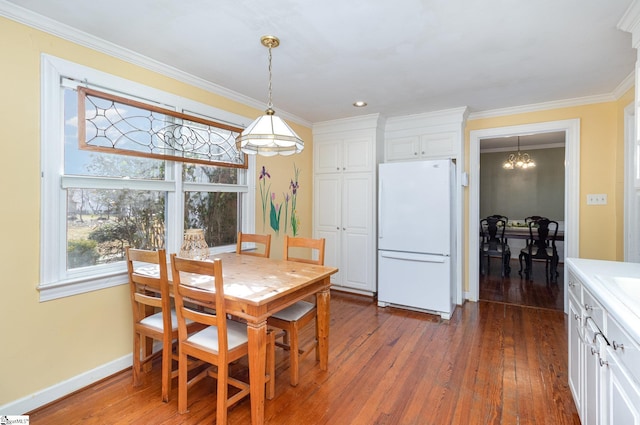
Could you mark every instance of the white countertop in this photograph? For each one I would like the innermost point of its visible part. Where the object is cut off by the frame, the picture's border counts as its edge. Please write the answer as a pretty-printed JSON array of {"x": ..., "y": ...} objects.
[{"x": 616, "y": 285}]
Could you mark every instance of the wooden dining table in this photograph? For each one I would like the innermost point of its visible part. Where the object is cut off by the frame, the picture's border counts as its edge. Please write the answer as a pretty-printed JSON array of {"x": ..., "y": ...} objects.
[
  {"x": 254, "y": 289},
  {"x": 515, "y": 232}
]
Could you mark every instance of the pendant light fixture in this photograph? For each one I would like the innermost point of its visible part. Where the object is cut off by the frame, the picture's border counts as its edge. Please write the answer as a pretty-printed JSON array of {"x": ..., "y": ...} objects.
[
  {"x": 269, "y": 135},
  {"x": 518, "y": 160}
]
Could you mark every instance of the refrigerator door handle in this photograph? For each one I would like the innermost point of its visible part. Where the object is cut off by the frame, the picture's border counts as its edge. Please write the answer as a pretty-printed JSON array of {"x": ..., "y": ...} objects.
[
  {"x": 406, "y": 256},
  {"x": 380, "y": 226}
]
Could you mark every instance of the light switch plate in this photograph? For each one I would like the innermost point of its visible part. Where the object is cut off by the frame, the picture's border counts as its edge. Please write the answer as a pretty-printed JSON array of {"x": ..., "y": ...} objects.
[{"x": 597, "y": 199}]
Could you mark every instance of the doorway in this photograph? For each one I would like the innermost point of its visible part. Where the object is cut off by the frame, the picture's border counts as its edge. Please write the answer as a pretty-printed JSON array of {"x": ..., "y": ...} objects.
[
  {"x": 515, "y": 194},
  {"x": 571, "y": 128}
]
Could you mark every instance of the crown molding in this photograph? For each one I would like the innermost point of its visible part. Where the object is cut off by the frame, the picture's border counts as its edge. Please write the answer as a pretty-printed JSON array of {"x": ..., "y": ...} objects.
[
  {"x": 567, "y": 103},
  {"x": 58, "y": 29}
]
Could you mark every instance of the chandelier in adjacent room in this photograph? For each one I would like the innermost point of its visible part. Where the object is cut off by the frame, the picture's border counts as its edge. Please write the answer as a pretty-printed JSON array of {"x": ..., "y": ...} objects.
[
  {"x": 269, "y": 135},
  {"x": 518, "y": 160}
]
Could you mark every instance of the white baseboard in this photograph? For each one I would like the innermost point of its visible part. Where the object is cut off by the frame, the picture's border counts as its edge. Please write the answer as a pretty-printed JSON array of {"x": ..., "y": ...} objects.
[{"x": 61, "y": 389}]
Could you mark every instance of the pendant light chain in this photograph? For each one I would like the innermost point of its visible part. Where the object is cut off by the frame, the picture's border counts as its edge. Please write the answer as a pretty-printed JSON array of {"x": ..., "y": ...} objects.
[{"x": 270, "y": 104}]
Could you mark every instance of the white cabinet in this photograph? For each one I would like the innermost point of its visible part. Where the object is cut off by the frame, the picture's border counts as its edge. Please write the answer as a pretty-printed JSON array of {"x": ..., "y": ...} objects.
[
  {"x": 424, "y": 146},
  {"x": 344, "y": 208},
  {"x": 432, "y": 135},
  {"x": 622, "y": 388},
  {"x": 576, "y": 345},
  {"x": 604, "y": 360}
]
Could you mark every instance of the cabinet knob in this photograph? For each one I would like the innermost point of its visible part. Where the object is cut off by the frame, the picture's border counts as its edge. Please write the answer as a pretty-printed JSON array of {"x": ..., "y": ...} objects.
[
  {"x": 594, "y": 351},
  {"x": 338, "y": 228},
  {"x": 603, "y": 362},
  {"x": 344, "y": 228},
  {"x": 572, "y": 284},
  {"x": 338, "y": 168},
  {"x": 618, "y": 346},
  {"x": 588, "y": 307},
  {"x": 344, "y": 168},
  {"x": 422, "y": 152},
  {"x": 415, "y": 153}
]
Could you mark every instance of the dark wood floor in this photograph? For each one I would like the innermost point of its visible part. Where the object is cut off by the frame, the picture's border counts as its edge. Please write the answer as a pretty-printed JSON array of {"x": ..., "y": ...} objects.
[
  {"x": 515, "y": 289},
  {"x": 492, "y": 363}
]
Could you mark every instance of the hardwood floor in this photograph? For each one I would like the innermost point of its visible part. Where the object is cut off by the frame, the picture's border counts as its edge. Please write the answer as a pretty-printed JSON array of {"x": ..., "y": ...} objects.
[
  {"x": 492, "y": 363},
  {"x": 514, "y": 289}
]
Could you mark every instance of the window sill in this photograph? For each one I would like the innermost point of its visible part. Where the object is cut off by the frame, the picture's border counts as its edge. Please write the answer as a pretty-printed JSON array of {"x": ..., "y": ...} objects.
[{"x": 67, "y": 288}]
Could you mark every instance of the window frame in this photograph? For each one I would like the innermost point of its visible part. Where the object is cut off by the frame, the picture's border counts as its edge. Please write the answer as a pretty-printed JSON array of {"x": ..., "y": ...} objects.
[{"x": 55, "y": 280}]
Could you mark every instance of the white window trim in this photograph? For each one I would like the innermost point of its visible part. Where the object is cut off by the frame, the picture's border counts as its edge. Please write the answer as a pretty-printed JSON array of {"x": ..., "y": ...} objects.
[{"x": 55, "y": 281}]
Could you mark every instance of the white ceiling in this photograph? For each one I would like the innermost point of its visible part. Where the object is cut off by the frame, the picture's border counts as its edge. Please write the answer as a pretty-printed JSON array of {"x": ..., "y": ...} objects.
[{"x": 402, "y": 57}]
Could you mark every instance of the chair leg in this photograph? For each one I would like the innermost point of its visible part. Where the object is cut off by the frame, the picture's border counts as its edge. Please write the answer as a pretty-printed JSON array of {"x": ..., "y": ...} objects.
[
  {"x": 182, "y": 383},
  {"x": 294, "y": 354},
  {"x": 520, "y": 258},
  {"x": 221, "y": 396},
  {"x": 166, "y": 370},
  {"x": 136, "y": 358}
]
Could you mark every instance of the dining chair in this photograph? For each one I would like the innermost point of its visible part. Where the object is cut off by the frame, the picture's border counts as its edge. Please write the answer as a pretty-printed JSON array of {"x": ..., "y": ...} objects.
[
  {"x": 220, "y": 343},
  {"x": 153, "y": 316},
  {"x": 295, "y": 317},
  {"x": 494, "y": 244},
  {"x": 263, "y": 240},
  {"x": 541, "y": 245}
]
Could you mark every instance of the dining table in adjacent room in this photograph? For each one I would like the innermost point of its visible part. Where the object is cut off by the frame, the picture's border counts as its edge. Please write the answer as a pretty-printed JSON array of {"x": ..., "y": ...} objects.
[
  {"x": 257, "y": 287},
  {"x": 521, "y": 232}
]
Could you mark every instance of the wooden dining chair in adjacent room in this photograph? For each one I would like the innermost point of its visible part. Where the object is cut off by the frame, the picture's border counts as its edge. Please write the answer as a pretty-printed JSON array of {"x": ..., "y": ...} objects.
[
  {"x": 494, "y": 244},
  {"x": 221, "y": 342},
  {"x": 541, "y": 245},
  {"x": 153, "y": 316},
  {"x": 295, "y": 317},
  {"x": 264, "y": 241}
]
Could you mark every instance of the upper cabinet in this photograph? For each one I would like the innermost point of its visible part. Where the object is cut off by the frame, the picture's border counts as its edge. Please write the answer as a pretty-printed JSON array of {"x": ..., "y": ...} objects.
[
  {"x": 433, "y": 135},
  {"x": 344, "y": 153}
]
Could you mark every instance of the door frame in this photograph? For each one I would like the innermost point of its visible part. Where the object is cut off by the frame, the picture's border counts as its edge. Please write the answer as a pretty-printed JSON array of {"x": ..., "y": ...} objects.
[{"x": 571, "y": 128}]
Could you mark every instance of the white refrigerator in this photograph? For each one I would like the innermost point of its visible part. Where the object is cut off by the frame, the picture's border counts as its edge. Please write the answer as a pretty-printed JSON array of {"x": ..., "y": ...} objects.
[{"x": 416, "y": 236}]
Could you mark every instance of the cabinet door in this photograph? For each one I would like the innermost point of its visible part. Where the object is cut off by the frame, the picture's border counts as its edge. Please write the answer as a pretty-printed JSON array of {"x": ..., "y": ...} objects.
[
  {"x": 622, "y": 394},
  {"x": 593, "y": 407},
  {"x": 576, "y": 352},
  {"x": 401, "y": 148},
  {"x": 328, "y": 211},
  {"x": 438, "y": 145},
  {"x": 357, "y": 231},
  {"x": 327, "y": 156},
  {"x": 358, "y": 154}
]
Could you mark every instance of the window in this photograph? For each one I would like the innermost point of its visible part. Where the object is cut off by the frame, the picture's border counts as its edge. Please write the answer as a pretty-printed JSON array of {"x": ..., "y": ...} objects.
[{"x": 96, "y": 203}]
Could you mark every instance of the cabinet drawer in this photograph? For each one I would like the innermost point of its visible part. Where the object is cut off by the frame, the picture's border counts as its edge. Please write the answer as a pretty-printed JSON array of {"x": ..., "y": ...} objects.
[
  {"x": 575, "y": 288},
  {"x": 625, "y": 348},
  {"x": 592, "y": 308}
]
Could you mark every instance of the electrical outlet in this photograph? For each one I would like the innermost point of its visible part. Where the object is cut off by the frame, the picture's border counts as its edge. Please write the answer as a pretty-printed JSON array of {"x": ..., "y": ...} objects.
[{"x": 597, "y": 199}]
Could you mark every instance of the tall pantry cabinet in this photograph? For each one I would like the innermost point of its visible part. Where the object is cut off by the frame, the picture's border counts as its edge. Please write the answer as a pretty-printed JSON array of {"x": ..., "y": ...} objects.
[{"x": 345, "y": 157}]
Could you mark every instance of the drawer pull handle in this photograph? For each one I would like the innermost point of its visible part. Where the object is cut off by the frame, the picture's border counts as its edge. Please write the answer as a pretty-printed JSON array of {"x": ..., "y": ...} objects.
[{"x": 617, "y": 346}]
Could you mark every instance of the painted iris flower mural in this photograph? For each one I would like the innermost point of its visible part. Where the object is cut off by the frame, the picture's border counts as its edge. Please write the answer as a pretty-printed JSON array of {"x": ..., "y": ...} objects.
[{"x": 275, "y": 209}]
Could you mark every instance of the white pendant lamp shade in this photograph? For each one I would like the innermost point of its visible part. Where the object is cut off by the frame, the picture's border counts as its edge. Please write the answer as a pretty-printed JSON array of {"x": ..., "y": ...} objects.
[{"x": 269, "y": 135}]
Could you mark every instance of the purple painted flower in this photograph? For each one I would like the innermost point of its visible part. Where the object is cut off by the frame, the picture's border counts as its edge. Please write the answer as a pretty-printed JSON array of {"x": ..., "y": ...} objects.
[
  {"x": 294, "y": 187},
  {"x": 264, "y": 173}
]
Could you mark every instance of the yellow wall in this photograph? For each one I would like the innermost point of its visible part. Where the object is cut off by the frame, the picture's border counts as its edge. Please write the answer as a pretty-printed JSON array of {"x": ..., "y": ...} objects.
[
  {"x": 601, "y": 171},
  {"x": 46, "y": 343}
]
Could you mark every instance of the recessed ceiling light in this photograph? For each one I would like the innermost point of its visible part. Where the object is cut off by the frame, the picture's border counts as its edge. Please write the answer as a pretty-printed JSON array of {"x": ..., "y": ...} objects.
[{"x": 360, "y": 104}]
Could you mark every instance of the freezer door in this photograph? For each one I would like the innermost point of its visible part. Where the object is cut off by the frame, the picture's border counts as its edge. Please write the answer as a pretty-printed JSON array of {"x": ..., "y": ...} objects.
[
  {"x": 414, "y": 204},
  {"x": 415, "y": 280}
]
